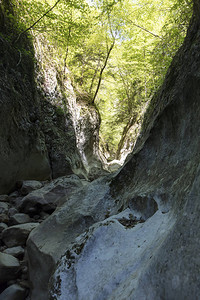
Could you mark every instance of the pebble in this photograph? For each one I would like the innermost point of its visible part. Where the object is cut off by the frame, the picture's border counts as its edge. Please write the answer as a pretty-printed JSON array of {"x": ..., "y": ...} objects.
[{"x": 4, "y": 198}]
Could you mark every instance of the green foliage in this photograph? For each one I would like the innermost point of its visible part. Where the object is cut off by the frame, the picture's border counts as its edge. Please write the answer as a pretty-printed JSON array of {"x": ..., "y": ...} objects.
[{"x": 145, "y": 34}]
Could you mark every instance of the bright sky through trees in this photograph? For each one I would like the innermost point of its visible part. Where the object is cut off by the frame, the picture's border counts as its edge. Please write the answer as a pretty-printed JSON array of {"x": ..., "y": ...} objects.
[{"x": 117, "y": 52}]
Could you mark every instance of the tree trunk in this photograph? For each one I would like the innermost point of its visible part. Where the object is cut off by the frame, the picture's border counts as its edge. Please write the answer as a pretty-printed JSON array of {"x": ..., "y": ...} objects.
[{"x": 101, "y": 72}]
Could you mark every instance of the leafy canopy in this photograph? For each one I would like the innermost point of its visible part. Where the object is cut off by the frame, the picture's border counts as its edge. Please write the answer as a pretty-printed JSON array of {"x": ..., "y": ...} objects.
[{"x": 117, "y": 52}]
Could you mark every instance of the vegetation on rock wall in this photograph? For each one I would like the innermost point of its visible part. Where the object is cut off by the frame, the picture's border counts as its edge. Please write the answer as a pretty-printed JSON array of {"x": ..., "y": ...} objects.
[{"x": 117, "y": 54}]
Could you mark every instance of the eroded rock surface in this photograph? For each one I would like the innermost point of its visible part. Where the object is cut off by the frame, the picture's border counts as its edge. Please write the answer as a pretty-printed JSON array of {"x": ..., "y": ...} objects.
[{"x": 150, "y": 250}]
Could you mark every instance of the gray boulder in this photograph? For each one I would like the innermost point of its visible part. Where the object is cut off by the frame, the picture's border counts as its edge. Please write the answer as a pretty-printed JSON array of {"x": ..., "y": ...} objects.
[
  {"x": 3, "y": 226},
  {"x": 47, "y": 198},
  {"x": 15, "y": 251},
  {"x": 14, "y": 292},
  {"x": 9, "y": 267},
  {"x": 4, "y": 207},
  {"x": 20, "y": 218},
  {"x": 4, "y": 218},
  {"x": 17, "y": 235},
  {"x": 12, "y": 211},
  {"x": 4, "y": 198},
  {"x": 29, "y": 186}
]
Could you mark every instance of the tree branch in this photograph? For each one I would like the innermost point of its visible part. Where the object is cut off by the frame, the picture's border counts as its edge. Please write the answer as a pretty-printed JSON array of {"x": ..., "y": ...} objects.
[
  {"x": 30, "y": 27},
  {"x": 145, "y": 29},
  {"x": 101, "y": 72}
]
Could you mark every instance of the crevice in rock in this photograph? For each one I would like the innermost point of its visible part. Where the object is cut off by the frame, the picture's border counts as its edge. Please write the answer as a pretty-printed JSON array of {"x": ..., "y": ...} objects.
[{"x": 143, "y": 208}]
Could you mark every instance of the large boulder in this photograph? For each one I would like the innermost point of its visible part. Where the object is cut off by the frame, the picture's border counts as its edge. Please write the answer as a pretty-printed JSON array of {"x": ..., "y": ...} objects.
[
  {"x": 74, "y": 217},
  {"x": 52, "y": 194},
  {"x": 19, "y": 219},
  {"x": 14, "y": 292},
  {"x": 29, "y": 186},
  {"x": 106, "y": 261},
  {"x": 15, "y": 251},
  {"x": 17, "y": 235},
  {"x": 9, "y": 267}
]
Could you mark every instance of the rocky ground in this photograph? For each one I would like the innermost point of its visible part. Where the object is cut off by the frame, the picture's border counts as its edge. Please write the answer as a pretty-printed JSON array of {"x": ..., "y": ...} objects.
[{"x": 20, "y": 212}]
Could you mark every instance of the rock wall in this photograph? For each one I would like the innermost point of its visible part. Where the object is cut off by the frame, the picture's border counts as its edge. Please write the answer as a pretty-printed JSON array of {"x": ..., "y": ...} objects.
[
  {"x": 58, "y": 108},
  {"x": 87, "y": 124},
  {"x": 135, "y": 234},
  {"x": 23, "y": 153},
  {"x": 38, "y": 114}
]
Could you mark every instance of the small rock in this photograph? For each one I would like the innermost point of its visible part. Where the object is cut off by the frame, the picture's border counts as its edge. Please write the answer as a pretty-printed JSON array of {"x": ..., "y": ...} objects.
[
  {"x": 20, "y": 218},
  {"x": 13, "y": 195},
  {"x": 4, "y": 208},
  {"x": 29, "y": 186},
  {"x": 4, "y": 218},
  {"x": 15, "y": 251},
  {"x": 14, "y": 292},
  {"x": 9, "y": 267},
  {"x": 3, "y": 226},
  {"x": 17, "y": 235},
  {"x": 4, "y": 198},
  {"x": 12, "y": 211}
]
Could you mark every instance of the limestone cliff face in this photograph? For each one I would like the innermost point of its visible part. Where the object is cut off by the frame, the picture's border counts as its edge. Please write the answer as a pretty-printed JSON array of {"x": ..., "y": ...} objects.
[
  {"x": 41, "y": 123},
  {"x": 136, "y": 234},
  {"x": 23, "y": 153},
  {"x": 38, "y": 139},
  {"x": 87, "y": 126},
  {"x": 71, "y": 126}
]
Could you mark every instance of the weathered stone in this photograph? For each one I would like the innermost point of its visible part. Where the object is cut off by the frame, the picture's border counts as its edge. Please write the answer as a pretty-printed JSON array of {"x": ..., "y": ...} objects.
[
  {"x": 29, "y": 186},
  {"x": 17, "y": 235},
  {"x": 20, "y": 218},
  {"x": 106, "y": 257},
  {"x": 9, "y": 267},
  {"x": 14, "y": 292},
  {"x": 76, "y": 215},
  {"x": 3, "y": 226},
  {"x": 4, "y": 218},
  {"x": 47, "y": 198},
  {"x": 87, "y": 137},
  {"x": 15, "y": 251},
  {"x": 12, "y": 211},
  {"x": 4, "y": 198},
  {"x": 13, "y": 195},
  {"x": 4, "y": 208}
]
